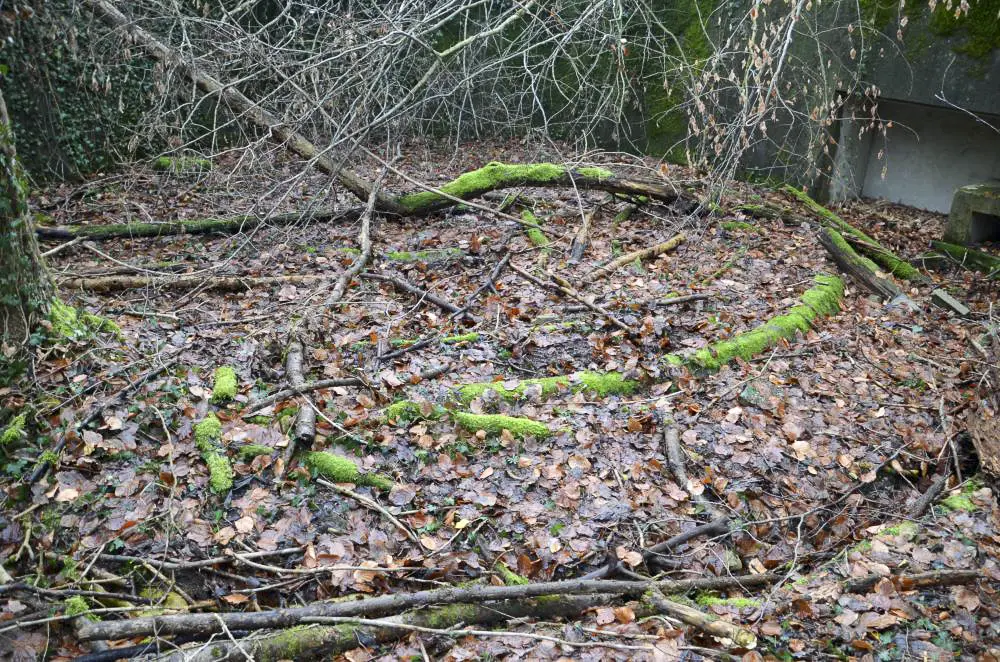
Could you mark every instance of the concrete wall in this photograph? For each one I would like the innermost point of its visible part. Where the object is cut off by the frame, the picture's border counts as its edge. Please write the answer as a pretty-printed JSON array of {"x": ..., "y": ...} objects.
[{"x": 928, "y": 153}]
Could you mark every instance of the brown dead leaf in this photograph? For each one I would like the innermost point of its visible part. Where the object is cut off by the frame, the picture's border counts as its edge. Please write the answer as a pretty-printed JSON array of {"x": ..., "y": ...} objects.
[{"x": 624, "y": 614}]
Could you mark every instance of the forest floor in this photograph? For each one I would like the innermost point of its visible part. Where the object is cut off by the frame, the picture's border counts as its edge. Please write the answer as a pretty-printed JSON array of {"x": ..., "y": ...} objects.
[{"x": 815, "y": 450}]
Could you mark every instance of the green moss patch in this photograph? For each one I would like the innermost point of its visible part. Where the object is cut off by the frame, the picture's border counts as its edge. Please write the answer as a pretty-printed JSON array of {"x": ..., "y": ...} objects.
[
  {"x": 822, "y": 299},
  {"x": 70, "y": 324},
  {"x": 208, "y": 433},
  {"x": 598, "y": 383},
  {"x": 408, "y": 411},
  {"x": 342, "y": 470},
  {"x": 178, "y": 164},
  {"x": 220, "y": 472},
  {"x": 709, "y": 600},
  {"x": 14, "y": 431},
  {"x": 534, "y": 232},
  {"x": 250, "y": 451},
  {"x": 77, "y": 606},
  {"x": 224, "y": 387},
  {"x": 959, "y": 501},
  {"x": 497, "y": 423}
]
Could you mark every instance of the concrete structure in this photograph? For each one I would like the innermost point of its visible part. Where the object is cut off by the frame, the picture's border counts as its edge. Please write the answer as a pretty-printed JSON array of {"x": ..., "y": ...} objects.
[
  {"x": 975, "y": 214},
  {"x": 928, "y": 153}
]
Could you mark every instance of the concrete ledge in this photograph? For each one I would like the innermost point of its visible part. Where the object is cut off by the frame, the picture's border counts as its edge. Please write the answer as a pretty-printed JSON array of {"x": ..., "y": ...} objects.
[{"x": 975, "y": 214}]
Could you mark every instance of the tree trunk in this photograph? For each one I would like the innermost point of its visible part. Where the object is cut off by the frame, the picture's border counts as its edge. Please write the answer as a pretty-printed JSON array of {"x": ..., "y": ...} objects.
[{"x": 25, "y": 285}]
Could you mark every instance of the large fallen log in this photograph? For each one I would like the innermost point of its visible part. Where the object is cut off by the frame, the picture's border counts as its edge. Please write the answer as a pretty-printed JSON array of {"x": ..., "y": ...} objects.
[
  {"x": 106, "y": 284},
  {"x": 890, "y": 262},
  {"x": 208, "y": 624},
  {"x": 860, "y": 268},
  {"x": 326, "y": 641}
]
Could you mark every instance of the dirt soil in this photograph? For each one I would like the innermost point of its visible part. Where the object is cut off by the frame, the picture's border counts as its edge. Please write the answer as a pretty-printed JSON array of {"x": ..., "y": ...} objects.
[{"x": 816, "y": 448}]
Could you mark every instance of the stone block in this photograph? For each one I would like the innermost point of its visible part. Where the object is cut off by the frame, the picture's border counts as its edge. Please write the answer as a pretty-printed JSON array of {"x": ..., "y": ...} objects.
[{"x": 975, "y": 214}]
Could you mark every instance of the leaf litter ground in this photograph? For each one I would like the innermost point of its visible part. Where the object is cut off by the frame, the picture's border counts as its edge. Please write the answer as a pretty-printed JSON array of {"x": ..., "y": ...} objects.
[{"x": 817, "y": 446}]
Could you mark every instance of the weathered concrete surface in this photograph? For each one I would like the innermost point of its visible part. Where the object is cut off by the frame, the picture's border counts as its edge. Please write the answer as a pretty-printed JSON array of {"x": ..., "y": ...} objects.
[
  {"x": 975, "y": 214},
  {"x": 927, "y": 154}
]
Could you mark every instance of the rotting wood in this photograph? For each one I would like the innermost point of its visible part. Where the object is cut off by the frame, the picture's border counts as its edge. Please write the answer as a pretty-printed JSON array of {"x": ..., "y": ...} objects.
[
  {"x": 325, "y": 641},
  {"x": 730, "y": 634},
  {"x": 573, "y": 294},
  {"x": 928, "y": 497},
  {"x": 105, "y": 284},
  {"x": 230, "y": 225},
  {"x": 917, "y": 581},
  {"x": 676, "y": 460},
  {"x": 304, "y": 429},
  {"x": 861, "y": 269},
  {"x": 629, "y": 258},
  {"x": 581, "y": 240},
  {"x": 207, "y": 624}
]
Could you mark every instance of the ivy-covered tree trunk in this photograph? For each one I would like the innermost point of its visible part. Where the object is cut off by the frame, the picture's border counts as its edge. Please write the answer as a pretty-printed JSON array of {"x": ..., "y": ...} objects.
[{"x": 25, "y": 285}]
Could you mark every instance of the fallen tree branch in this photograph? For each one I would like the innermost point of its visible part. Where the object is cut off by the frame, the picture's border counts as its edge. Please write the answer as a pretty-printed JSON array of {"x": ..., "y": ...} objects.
[
  {"x": 305, "y": 420},
  {"x": 629, "y": 258},
  {"x": 230, "y": 225},
  {"x": 572, "y": 294},
  {"x": 913, "y": 582},
  {"x": 408, "y": 287},
  {"x": 373, "y": 505},
  {"x": 207, "y": 624},
  {"x": 325, "y": 641},
  {"x": 729, "y": 633},
  {"x": 861, "y": 269},
  {"x": 581, "y": 240},
  {"x": 889, "y": 261},
  {"x": 308, "y": 387},
  {"x": 236, "y": 101},
  {"x": 43, "y": 464},
  {"x": 970, "y": 258},
  {"x": 927, "y": 498},
  {"x": 488, "y": 284},
  {"x": 106, "y": 284}
]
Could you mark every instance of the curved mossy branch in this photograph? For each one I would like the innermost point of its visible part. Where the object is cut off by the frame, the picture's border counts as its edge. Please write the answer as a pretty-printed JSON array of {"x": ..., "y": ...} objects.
[
  {"x": 495, "y": 176},
  {"x": 968, "y": 257},
  {"x": 889, "y": 261},
  {"x": 822, "y": 299},
  {"x": 230, "y": 225}
]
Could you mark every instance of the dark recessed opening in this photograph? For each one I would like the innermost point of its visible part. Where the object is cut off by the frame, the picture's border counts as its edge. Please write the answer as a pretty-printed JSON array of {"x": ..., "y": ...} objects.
[{"x": 985, "y": 227}]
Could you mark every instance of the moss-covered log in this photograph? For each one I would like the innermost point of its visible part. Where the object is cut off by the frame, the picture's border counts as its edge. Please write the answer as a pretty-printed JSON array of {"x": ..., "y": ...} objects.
[
  {"x": 822, "y": 299},
  {"x": 858, "y": 267},
  {"x": 184, "y": 283},
  {"x": 971, "y": 258},
  {"x": 25, "y": 286},
  {"x": 326, "y": 641},
  {"x": 229, "y": 225},
  {"x": 867, "y": 245},
  {"x": 495, "y": 176}
]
